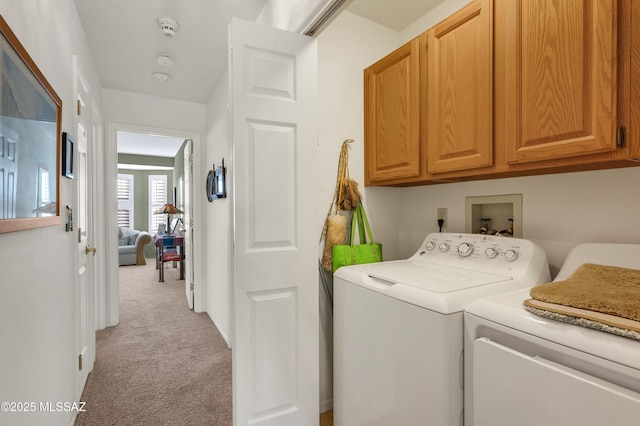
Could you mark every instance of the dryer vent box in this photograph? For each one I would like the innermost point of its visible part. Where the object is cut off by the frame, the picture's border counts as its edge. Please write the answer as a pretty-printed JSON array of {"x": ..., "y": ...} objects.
[{"x": 498, "y": 208}]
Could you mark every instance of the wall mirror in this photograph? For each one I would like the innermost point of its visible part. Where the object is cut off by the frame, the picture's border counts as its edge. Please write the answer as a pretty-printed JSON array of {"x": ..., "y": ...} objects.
[{"x": 30, "y": 129}]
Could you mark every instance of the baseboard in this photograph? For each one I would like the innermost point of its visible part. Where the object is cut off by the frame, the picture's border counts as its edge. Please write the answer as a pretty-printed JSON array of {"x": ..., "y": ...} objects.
[
  {"x": 223, "y": 334},
  {"x": 326, "y": 405}
]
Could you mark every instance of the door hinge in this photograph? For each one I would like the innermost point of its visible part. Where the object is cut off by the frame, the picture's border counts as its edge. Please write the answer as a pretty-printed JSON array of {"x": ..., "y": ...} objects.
[
  {"x": 192, "y": 286},
  {"x": 621, "y": 137},
  {"x": 80, "y": 362},
  {"x": 79, "y": 107}
]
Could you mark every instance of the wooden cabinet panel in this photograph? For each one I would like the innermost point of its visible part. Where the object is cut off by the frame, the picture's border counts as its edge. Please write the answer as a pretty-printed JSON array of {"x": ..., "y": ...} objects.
[
  {"x": 392, "y": 115},
  {"x": 560, "y": 78},
  {"x": 460, "y": 90}
]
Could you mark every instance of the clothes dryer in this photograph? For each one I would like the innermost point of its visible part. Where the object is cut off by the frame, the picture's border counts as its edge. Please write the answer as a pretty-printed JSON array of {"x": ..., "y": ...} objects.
[{"x": 527, "y": 370}]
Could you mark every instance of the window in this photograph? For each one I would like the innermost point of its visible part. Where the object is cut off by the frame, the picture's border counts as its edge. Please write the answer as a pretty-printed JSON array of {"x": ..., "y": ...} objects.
[
  {"x": 157, "y": 199},
  {"x": 125, "y": 200}
]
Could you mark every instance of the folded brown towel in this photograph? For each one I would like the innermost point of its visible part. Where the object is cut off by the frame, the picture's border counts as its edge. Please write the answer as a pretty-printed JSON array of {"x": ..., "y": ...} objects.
[
  {"x": 596, "y": 320},
  {"x": 607, "y": 289}
]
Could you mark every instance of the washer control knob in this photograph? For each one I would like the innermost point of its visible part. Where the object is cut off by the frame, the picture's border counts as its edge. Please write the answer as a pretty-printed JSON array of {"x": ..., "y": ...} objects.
[
  {"x": 465, "y": 250},
  {"x": 430, "y": 245},
  {"x": 511, "y": 255},
  {"x": 443, "y": 247},
  {"x": 491, "y": 252}
]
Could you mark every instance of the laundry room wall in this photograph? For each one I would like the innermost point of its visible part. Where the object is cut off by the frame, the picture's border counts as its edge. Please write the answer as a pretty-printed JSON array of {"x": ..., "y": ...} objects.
[{"x": 559, "y": 210}]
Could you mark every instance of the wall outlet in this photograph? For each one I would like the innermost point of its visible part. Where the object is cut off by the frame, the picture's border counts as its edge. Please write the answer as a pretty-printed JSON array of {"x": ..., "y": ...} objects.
[{"x": 442, "y": 214}]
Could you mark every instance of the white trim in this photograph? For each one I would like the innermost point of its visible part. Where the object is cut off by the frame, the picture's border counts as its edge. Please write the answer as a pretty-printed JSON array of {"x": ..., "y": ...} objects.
[
  {"x": 122, "y": 166},
  {"x": 112, "y": 298}
]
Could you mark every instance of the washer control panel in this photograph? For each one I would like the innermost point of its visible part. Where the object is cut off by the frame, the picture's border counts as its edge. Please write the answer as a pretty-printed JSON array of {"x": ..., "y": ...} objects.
[{"x": 480, "y": 252}]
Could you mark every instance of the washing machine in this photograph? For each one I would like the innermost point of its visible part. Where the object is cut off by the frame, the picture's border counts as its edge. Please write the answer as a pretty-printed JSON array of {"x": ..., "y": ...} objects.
[
  {"x": 523, "y": 369},
  {"x": 398, "y": 326}
]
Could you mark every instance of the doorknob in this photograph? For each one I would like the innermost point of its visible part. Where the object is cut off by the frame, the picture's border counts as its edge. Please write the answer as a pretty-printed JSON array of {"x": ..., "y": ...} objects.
[{"x": 89, "y": 249}]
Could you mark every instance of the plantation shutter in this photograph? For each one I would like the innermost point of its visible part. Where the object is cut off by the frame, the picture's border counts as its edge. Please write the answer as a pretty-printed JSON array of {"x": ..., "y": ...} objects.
[
  {"x": 125, "y": 201},
  {"x": 157, "y": 199}
]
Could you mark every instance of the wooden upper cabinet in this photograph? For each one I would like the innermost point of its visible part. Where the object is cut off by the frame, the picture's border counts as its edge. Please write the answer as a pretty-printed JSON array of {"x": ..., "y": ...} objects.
[
  {"x": 560, "y": 78},
  {"x": 392, "y": 115},
  {"x": 460, "y": 90}
]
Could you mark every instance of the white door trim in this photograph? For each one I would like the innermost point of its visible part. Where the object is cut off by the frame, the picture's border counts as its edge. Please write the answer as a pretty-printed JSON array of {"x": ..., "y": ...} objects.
[{"x": 110, "y": 300}]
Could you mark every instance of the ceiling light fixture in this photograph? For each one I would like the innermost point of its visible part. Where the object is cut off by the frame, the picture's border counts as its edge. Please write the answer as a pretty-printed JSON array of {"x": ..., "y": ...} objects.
[
  {"x": 168, "y": 26},
  {"x": 165, "y": 60},
  {"x": 161, "y": 77}
]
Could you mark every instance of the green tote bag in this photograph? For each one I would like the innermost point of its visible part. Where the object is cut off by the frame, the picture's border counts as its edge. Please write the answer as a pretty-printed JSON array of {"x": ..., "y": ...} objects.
[{"x": 365, "y": 252}]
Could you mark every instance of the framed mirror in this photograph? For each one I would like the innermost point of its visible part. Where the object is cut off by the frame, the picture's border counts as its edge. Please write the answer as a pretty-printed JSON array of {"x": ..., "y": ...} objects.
[{"x": 30, "y": 133}]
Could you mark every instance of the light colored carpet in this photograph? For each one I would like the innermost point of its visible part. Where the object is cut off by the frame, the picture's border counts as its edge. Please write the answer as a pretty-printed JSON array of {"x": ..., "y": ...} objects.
[{"x": 163, "y": 364}]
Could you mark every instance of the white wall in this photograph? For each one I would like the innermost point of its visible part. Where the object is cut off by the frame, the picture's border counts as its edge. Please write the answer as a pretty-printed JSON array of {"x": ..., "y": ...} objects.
[
  {"x": 345, "y": 48},
  {"x": 218, "y": 212},
  {"x": 143, "y": 113},
  {"x": 559, "y": 211},
  {"x": 37, "y": 312}
]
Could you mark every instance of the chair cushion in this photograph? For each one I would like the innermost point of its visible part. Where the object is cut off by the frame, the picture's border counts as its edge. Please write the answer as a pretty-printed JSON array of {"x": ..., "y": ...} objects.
[{"x": 171, "y": 256}]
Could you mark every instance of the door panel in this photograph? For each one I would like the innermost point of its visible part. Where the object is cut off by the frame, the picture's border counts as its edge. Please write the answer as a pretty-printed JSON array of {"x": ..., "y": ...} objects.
[
  {"x": 562, "y": 78},
  {"x": 393, "y": 145},
  {"x": 460, "y": 90},
  {"x": 275, "y": 291}
]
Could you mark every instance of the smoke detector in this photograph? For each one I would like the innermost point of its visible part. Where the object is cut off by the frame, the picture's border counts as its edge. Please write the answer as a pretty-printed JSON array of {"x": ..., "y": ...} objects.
[
  {"x": 165, "y": 60},
  {"x": 161, "y": 77},
  {"x": 168, "y": 26}
]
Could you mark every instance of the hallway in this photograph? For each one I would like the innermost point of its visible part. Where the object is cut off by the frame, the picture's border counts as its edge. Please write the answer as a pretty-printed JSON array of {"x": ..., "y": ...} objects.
[{"x": 163, "y": 364}]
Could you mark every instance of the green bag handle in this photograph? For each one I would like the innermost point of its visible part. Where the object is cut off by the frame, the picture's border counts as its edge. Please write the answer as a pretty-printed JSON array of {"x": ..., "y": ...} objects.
[{"x": 360, "y": 220}]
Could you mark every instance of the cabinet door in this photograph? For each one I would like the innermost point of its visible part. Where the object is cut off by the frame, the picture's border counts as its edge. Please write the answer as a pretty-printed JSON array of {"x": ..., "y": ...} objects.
[
  {"x": 392, "y": 115},
  {"x": 460, "y": 90},
  {"x": 560, "y": 78}
]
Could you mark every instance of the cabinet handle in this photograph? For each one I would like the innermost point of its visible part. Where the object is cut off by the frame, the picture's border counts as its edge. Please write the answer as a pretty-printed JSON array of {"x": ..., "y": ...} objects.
[{"x": 621, "y": 137}]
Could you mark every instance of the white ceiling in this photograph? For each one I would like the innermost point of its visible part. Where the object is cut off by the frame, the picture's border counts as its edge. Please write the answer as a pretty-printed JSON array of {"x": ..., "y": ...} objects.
[
  {"x": 125, "y": 39},
  {"x": 144, "y": 144},
  {"x": 396, "y": 14}
]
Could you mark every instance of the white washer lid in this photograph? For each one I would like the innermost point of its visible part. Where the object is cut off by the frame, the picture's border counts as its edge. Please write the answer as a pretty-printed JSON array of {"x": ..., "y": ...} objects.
[
  {"x": 440, "y": 288},
  {"x": 429, "y": 276}
]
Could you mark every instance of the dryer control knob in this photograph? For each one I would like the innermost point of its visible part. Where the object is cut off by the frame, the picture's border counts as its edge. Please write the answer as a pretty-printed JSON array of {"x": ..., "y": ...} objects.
[
  {"x": 443, "y": 247},
  {"x": 465, "y": 250},
  {"x": 430, "y": 245},
  {"x": 511, "y": 255},
  {"x": 491, "y": 252}
]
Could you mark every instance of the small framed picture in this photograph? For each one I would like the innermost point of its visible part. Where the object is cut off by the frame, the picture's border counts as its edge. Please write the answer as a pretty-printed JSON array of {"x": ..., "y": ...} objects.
[{"x": 67, "y": 155}]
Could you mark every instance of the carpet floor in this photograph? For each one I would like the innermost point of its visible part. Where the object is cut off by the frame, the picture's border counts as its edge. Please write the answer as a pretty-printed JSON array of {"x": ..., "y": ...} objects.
[{"x": 163, "y": 364}]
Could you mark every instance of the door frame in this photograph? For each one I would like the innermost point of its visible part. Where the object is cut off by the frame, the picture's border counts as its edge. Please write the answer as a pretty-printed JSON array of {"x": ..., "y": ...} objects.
[{"x": 110, "y": 299}]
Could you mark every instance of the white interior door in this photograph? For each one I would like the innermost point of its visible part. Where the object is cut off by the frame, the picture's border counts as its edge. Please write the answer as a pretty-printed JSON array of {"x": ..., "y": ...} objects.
[
  {"x": 188, "y": 222},
  {"x": 85, "y": 281},
  {"x": 275, "y": 283}
]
